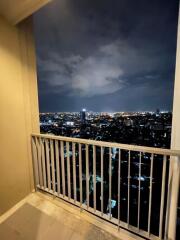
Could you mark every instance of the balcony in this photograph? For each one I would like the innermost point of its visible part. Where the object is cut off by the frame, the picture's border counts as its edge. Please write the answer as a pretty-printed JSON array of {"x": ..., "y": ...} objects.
[
  {"x": 83, "y": 189},
  {"x": 127, "y": 186},
  {"x": 89, "y": 189}
]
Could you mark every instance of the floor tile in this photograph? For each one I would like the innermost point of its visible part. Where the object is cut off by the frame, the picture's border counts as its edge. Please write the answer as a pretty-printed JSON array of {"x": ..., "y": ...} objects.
[
  {"x": 30, "y": 222},
  {"x": 7, "y": 233},
  {"x": 58, "y": 231}
]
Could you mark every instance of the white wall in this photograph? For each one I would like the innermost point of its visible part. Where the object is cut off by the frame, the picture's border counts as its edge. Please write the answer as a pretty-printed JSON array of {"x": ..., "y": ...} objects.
[
  {"x": 174, "y": 182},
  {"x": 18, "y": 111}
]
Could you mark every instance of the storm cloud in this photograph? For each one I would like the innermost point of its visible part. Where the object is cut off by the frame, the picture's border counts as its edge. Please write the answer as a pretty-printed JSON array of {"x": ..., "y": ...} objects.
[{"x": 106, "y": 55}]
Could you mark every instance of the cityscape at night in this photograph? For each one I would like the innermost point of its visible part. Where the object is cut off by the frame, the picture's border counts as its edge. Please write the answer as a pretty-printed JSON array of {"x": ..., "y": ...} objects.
[{"x": 137, "y": 128}]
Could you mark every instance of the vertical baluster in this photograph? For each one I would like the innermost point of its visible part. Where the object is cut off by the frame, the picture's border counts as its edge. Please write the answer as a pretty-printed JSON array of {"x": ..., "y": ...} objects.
[
  {"x": 119, "y": 188},
  {"x": 74, "y": 170},
  {"x": 80, "y": 173},
  {"x": 102, "y": 181},
  {"x": 139, "y": 191},
  {"x": 173, "y": 194},
  {"x": 48, "y": 163},
  {"x": 68, "y": 170},
  {"x": 94, "y": 176},
  {"x": 150, "y": 194},
  {"x": 39, "y": 161},
  {"x": 35, "y": 162},
  {"x": 43, "y": 163},
  {"x": 87, "y": 175},
  {"x": 129, "y": 176},
  {"x": 52, "y": 164},
  {"x": 62, "y": 169},
  {"x": 162, "y": 196},
  {"x": 57, "y": 166},
  {"x": 110, "y": 184},
  {"x": 168, "y": 203}
]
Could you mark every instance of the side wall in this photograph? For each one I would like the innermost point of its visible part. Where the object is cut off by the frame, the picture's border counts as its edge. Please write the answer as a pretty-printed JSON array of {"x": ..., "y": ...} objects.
[
  {"x": 175, "y": 139},
  {"x": 18, "y": 111},
  {"x": 174, "y": 177}
]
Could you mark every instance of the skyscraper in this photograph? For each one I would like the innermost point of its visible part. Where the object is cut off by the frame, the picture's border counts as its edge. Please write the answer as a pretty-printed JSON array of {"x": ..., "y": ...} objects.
[{"x": 83, "y": 115}]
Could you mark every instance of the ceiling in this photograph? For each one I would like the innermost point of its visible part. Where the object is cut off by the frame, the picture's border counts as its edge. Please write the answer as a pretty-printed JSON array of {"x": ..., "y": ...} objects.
[{"x": 17, "y": 10}]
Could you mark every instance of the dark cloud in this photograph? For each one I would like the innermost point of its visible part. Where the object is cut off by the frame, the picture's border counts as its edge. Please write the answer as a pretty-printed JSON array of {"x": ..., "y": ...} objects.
[{"x": 106, "y": 55}]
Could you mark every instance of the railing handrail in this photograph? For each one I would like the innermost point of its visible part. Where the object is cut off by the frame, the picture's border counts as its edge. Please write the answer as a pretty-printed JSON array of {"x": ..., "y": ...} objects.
[{"x": 152, "y": 150}]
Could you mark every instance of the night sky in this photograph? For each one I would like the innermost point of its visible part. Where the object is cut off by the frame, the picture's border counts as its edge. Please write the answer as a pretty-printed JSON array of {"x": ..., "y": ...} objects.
[{"x": 106, "y": 55}]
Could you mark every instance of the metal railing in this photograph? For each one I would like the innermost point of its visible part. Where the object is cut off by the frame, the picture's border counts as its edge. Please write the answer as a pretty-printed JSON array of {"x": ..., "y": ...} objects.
[{"x": 130, "y": 186}]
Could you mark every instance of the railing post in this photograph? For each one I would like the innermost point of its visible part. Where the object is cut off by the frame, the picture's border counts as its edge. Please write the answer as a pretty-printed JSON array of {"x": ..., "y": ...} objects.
[
  {"x": 174, "y": 177},
  {"x": 35, "y": 166}
]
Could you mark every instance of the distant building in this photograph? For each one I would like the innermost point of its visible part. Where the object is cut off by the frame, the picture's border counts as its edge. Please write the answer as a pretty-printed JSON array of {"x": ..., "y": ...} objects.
[
  {"x": 83, "y": 115},
  {"x": 128, "y": 122},
  {"x": 157, "y": 112}
]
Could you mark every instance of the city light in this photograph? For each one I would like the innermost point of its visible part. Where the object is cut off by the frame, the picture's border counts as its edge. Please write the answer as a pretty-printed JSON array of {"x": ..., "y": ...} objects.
[{"x": 70, "y": 123}]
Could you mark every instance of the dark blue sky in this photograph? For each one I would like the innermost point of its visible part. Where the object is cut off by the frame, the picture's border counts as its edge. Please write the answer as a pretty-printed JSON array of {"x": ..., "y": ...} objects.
[{"x": 104, "y": 55}]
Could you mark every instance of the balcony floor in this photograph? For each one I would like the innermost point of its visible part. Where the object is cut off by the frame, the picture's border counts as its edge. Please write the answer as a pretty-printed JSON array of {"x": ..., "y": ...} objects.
[{"x": 42, "y": 217}]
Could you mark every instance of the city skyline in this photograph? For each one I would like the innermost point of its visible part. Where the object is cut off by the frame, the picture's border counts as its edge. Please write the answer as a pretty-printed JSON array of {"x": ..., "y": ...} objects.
[
  {"x": 110, "y": 112},
  {"x": 108, "y": 56}
]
